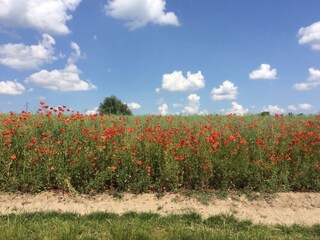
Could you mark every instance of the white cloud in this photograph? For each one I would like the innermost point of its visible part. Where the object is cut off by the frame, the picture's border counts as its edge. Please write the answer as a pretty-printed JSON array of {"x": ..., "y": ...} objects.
[
  {"x": 226, "y": 91},
  {"x": 138, "y": 13},
  {"x": 264, "y": 72},
  {"x": 177, "y": 82},
  {"x": 237, "y": 109},
  {"x": 273, "y": 109},
  {"x": 65, "y": 80},
  {"x": 92, "y": 111},
  {"x": 203, "y": 112},
  {"x": 20, "y": 56},
  {"x": 134, "y": 106},
  {"x": 301, "y": 106},
  {"x": 310, "y": 35},
  {"x": 157, "y": 90},
  {"x": 312, "y": 82},
  {"x": 305, "y": 106},
  {"x": 49, "y": 16},
  {"x": 75, "y": 55},
  {"x": 163, "y": 109},
  {"x": 11, "y": 88},
  {"x": 193, "y": 104},
  {"x": 292, "y": 107}
]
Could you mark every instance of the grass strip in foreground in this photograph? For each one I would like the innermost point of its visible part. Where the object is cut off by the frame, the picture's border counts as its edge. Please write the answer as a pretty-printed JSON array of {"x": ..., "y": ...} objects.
[{"x": 143, "y": 226}]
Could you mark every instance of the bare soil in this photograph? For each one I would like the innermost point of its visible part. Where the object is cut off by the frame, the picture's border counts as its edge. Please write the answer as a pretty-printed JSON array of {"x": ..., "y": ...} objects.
[{"x": 281, "y": 208}]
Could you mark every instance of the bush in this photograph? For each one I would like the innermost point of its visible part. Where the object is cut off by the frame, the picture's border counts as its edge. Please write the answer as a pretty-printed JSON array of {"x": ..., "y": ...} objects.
[
  {"x": 265, "y": 113},
  {"x": 113, "y": 105}
]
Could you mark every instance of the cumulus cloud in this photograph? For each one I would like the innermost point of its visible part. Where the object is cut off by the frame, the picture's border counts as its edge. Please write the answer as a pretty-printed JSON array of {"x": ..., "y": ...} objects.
[
  {"x": 65, "y": 80},
  {"x": 193, "y": 104},
  {"x": 92, "y": 111},
  {"x": 138, "y": 13},
  {"x": 264, "y": 72},
  {"x": 237, "y": 109},
  {"x": 163, "y": 109},
  {"x": 49, "y": 16},
  {"x": 312, "y": 82},
  {"x": 21, "y": 56},
  {"x": 75, "y": 55},
  {"x": 305, "y": 106},
  {"x": 11, "y": 88},
  {"x": 273, "y": 109},
  {"x": 226, "y": 91},
  {"x": 292, "y": 107},
  {"x": 177, "y": 82},
  {"x": 310, "y": 35},
  {"x": 134, "y": 106},
  {"x": 300, "y": 106},
  {"x": 203, "y": 112}
]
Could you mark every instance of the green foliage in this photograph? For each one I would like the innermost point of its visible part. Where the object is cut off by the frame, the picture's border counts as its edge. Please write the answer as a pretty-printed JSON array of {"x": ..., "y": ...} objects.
[
  {"x": 143, "y": 226},
  {"x": 113, "y": 105},
  {"x": 95, "y": 153},
  {"x": 264, "y": 113}
]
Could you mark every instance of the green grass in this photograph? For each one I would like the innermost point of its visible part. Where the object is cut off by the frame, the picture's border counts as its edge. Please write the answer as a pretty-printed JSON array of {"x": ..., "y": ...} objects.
[{"x": 143, "y": 226}]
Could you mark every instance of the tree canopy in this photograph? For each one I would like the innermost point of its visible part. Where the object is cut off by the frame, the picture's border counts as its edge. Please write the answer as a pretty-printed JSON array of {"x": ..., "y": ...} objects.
[{"x": 113, "y": 105}]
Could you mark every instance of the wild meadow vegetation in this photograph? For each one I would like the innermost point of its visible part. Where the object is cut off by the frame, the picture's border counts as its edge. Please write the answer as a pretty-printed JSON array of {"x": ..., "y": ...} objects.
[
  {"x": 143, "y": 226},
  {"x": 58, "y": 149}
]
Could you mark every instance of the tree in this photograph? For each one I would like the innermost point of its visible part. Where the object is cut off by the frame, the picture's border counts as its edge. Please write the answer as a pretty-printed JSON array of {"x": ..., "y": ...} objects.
[
  {"x": 264, "y": 113},
  {"x": 113, "y": 105}
]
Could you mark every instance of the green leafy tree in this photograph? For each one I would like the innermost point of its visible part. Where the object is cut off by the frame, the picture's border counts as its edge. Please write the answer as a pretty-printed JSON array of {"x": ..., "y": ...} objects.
[
  {"x": 264, "y": 113},
  {"x": 113, "y": 105}
]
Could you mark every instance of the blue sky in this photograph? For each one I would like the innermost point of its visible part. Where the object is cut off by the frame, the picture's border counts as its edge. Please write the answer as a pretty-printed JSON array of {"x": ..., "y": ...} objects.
[{"x": 161, "y": 56}]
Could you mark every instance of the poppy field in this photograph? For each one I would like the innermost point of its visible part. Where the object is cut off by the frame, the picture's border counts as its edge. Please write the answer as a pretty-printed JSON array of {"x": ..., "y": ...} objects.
[{"x": 56, "y": 148}]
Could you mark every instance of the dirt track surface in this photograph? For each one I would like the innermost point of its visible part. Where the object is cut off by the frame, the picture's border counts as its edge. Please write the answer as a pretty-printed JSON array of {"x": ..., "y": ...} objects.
[{"x": 282, "y": 208}]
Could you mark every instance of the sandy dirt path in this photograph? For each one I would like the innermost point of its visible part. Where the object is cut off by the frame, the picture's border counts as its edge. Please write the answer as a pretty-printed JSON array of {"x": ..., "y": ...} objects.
[{"x": 283, "y": 208}]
